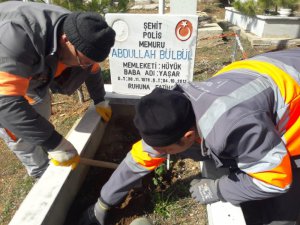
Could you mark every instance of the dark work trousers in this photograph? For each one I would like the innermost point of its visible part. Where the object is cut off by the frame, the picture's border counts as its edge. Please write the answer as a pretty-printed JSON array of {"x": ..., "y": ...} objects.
[
  {"x": 281, "y": 210},
  {"x": 33, "y": 157}
]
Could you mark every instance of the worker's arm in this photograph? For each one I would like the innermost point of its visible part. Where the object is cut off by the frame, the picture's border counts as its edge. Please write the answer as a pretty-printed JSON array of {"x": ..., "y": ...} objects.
[
  {"x": 95, "y": 86},
  {"x": 140, "y": 161},
  {"x": 19, "y": 61},
  {"x": 263, "y": 162},
  {"x": 73, "y": 77}
]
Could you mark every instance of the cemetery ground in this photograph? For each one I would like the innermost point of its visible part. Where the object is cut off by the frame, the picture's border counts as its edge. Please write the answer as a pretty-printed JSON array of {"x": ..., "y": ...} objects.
[{"x": 166, "y": 199}]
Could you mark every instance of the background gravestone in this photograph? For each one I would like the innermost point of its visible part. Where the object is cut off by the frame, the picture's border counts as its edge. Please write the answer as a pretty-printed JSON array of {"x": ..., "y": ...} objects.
[{"x": 187, "y": 7}]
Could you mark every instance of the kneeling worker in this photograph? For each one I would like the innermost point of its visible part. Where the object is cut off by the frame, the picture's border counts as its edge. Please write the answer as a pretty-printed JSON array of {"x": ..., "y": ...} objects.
[{"x": 246, "y": 117}]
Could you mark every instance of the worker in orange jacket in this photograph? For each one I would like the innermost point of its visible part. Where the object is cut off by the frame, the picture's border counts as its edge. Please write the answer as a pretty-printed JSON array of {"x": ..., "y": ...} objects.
[
  {"x": 246, "y": 118},
  {"x": 45, "y": 47}
]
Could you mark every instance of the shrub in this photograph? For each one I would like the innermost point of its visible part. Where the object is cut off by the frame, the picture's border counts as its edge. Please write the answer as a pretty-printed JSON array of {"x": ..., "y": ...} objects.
[
  {"x": 100, "y": 6},
  {"x": 256, "y": 7}
]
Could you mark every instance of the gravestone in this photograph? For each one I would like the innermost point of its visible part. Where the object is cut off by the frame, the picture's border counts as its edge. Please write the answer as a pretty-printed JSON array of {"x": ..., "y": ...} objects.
[
  {"x": 187, "y": 7},
  {"x": 151, "y": 51}
]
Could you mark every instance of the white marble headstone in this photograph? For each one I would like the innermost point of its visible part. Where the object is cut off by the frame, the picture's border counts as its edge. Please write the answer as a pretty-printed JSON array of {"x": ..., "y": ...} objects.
[{"x": 151, "y": 51}]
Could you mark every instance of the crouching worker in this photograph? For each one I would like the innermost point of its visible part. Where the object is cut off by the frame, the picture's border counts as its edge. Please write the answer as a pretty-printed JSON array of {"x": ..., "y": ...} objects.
[
  {"x": 246, "y": 118},
  {"x": 47, "y": 47}
]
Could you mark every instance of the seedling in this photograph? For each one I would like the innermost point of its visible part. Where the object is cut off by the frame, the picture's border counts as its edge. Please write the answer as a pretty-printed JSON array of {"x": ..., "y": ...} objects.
[{"x": 161, "y": 173}]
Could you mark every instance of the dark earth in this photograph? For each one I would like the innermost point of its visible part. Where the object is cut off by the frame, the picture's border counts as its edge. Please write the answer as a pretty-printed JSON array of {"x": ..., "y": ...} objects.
[{"x": 118, "y": 138}]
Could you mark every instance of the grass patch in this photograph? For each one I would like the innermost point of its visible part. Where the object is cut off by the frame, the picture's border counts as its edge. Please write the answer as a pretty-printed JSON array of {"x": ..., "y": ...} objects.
[
  {"x": 162, "y": 204},
  {"x": 168, "y": 203},
  {"x": 66, "y": 124},
  {"x": 14, "y": 183},
  {"x": 168, "y": 196},
  {"x": 175, "y": 206},
  {"x": 11, "y": 204}
]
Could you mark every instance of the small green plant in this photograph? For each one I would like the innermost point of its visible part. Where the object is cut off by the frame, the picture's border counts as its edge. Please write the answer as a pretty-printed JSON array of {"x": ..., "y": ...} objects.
[
  {"x": 160, "y": 199},
  {"x": 167, "y": 203},
  {"x": 159, "y": 173},
  {"x": 162, "y": 174},
  {"x": 161, "y": 204}
]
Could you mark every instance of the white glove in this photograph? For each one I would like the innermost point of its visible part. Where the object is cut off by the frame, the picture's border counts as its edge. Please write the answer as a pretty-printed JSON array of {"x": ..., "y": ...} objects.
[
  {"x": 104, "y": 110},
  {"x": 64, "y": 154}
]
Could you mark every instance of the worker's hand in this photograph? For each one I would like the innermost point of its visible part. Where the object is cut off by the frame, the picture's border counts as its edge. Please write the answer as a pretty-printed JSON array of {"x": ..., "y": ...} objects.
[
  {"x": 104, "y": 110},
  {"x": 95, "y": 214},
  {"x": 205, "y": 191},
  {"x": 64, "y": 154}
]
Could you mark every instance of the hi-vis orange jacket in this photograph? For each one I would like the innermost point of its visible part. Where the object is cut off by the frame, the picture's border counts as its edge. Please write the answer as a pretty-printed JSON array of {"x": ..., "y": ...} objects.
[
  {"x": 29, "y": 66},
  {"x": 248, "y": 117}
]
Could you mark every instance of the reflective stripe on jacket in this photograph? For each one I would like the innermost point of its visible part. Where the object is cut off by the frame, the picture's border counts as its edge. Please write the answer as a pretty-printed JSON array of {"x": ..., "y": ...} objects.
[
  {"x": 140, "y": 161},
  {"x": 243, "y": 115},
  {"x": 28, "y": 63},
  {"x": 142, "y": 157},
  {"x": 249, "y": 113}
]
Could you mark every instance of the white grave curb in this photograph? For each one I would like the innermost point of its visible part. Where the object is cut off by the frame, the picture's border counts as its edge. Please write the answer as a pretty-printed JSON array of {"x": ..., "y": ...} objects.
[
  {"x": 222, "y": 213},
  {"x": 50, "y": 198}
]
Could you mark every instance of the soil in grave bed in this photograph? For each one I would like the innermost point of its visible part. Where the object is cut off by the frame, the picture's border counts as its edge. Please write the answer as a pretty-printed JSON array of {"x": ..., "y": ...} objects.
[{"x": 118, "y": 138}]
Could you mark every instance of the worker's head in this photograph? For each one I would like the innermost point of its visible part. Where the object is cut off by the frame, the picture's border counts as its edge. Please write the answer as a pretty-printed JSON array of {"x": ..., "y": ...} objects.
[
  {"x": 86, "y": 39},
  {"x": 166, "y": 121}
]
